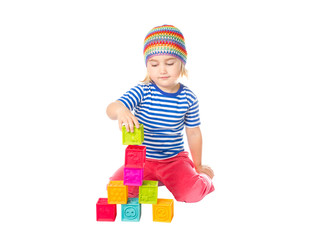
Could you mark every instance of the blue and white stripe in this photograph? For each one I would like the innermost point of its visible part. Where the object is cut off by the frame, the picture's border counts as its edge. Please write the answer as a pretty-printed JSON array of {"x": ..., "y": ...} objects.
[{"x": 164, "y": 116}]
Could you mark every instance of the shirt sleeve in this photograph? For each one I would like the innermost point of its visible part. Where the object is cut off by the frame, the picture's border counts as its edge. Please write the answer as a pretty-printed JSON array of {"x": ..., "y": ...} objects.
[
  {"x": 133, "y": 97},
  {"x": 192, "y": 118}
]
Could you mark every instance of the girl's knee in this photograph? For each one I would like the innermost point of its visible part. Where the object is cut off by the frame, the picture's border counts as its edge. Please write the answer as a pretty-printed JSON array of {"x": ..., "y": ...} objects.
[{"x": 194, "y": 193}]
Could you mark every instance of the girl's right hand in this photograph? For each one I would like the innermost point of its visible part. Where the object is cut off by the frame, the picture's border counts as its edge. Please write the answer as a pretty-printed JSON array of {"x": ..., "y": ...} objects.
[
  {"x": 205, "y": 169},
  {"x": 126, "y": 118}
]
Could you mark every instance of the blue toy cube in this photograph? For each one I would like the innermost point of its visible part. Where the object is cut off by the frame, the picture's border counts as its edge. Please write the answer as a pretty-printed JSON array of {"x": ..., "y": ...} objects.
[{"x": 131, "y": 212}]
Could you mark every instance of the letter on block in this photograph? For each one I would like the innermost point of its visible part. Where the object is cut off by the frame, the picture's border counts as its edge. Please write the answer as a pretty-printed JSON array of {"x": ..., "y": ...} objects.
[
  {"x": 131, "y": 212},
  {"x": 148, "y": 192},
  {"x": 117, "y": 192},
  {"x": 163, "y": 211},
  {"x": 133, "y": 138},
  {"x": 133, "y": 176},
  {"x": 105, "y": 211},
  {"x": 135, "y": 156}
]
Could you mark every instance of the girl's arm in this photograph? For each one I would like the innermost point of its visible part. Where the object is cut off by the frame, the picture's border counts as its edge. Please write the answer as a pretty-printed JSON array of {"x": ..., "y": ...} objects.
[
  {"x": 194, "y": 138},
  {"x": 117, "y": 111}
]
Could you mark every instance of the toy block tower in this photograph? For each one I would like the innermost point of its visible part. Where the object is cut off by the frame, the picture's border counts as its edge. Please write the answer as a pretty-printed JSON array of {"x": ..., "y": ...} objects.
[
  {"x": 134, "y": 156},
  {"x": 117, "y": 191}
]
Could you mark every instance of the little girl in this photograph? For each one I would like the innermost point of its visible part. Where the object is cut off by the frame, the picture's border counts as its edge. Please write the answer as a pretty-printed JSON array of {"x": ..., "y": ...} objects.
[{"x": 165, "y": 106}]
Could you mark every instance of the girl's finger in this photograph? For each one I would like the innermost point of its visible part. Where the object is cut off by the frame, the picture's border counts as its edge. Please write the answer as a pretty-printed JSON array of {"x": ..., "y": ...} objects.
[
  {"x": 130, "y": 124},
  {"x": 135, "y": 120},
  {"x": 126, "y": 124}
]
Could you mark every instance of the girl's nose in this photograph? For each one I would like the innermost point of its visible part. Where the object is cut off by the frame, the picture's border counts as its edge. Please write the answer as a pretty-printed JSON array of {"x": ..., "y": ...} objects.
[{"x": 163, "y": 69}]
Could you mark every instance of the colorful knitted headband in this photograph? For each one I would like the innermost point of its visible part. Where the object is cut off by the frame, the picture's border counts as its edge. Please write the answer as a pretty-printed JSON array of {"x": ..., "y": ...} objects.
[{"x": 165, "y": 39}]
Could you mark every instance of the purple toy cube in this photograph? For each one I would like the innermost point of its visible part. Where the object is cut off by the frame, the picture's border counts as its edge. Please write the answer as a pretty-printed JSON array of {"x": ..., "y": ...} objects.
[
  {"x": 133, "y": 176},
  {"x": 135, "y": 156},
  {"x": 105, "y": 211}
]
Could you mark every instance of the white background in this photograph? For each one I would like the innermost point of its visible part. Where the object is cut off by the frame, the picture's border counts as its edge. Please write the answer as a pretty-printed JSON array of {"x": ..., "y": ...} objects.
[{"x": 251, "y": 64}]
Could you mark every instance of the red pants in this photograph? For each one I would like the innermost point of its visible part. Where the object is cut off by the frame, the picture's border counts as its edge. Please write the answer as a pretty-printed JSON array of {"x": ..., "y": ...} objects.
[{"x": 178, "y": 174}]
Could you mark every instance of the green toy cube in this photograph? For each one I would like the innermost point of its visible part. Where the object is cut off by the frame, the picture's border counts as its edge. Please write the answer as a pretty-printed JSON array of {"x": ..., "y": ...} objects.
[
  {"x": 133, "y": 138},
  {"x": 148, "y": 192}
]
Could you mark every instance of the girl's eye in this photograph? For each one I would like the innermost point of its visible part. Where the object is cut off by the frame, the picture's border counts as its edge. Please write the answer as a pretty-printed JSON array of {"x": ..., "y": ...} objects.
[
  {"x": 154, "y": 65},
  {"x": 169, "y": 64}
]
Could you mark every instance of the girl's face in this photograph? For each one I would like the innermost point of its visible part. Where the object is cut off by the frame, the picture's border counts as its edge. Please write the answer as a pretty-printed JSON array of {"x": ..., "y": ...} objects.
[{"x": 164, "y": 70}]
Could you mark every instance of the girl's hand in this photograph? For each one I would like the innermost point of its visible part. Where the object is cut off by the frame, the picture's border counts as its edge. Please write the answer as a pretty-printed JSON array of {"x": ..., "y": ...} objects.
[
  {"x": 125, "y": 117},
  {"x": 205, "y": 169}
]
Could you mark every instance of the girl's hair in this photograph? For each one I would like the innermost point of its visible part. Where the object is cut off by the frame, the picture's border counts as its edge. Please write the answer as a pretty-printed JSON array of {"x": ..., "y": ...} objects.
[{"x": 183, "y": 72}]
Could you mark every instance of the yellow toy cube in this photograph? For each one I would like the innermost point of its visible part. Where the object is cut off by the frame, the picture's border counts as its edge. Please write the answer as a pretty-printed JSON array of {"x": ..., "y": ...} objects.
[
  {"x": 163, "y": 211},
  {"x": 117, "y": 192}
]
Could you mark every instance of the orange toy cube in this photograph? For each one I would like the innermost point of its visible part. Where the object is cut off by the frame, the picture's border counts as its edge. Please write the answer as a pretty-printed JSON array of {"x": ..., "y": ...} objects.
[
  {"x": 117, "y": 192},
  {"x": 163, "y": 211}
]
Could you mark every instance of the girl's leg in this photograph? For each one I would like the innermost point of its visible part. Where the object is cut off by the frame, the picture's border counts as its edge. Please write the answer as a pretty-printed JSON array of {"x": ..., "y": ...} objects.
[{"x": 179, "y": 175}]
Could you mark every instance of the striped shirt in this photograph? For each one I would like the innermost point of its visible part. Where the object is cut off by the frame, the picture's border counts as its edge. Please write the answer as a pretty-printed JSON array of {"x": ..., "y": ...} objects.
[{"x": 163, "y": 116}]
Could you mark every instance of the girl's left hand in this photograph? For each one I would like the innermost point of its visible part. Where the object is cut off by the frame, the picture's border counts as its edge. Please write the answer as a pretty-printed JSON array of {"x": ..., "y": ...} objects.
[{"x": 205, "y": 169}]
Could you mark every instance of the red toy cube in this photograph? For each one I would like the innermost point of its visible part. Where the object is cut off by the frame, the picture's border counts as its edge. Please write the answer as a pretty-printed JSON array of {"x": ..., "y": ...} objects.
[
  {"x": 135, "y": 156},
  {"x": 105, "y": 211}
]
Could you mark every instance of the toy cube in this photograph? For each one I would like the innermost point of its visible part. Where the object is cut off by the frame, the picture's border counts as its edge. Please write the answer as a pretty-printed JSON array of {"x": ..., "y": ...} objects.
[
  {"x": 135, "y": 156},
  {"x": 131, "y": 212},
  {"x": 105, "y": 211},
  {"x": 117, "y": 192},
  {"x": 163, "y": 211},
  {"x": 133, "y": 176},
  {"x": 148, "y": 192},
  {"x": 133, "y": 138}
]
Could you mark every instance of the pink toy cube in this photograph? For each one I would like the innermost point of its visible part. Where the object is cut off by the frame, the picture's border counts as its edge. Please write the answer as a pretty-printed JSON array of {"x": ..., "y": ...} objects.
[
  {"x": 105, "y": 211},
  {"x": 133, "y": 176},
  {"x": 135, "y": 156}
]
